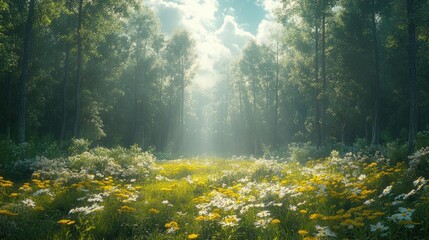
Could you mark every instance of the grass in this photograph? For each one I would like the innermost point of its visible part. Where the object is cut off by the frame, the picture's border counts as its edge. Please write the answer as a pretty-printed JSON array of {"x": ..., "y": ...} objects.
[{"x": 350, "y": 197}]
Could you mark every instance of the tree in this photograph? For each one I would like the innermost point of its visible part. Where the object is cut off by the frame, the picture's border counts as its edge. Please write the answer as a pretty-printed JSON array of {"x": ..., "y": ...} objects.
[
  {"x": 376, "y": 123},
  {"x": 180, "y": 57},
  {"x": 412, "y": 73},
  {"x": 79, "y": 70},
  {"x": 24, "y": 72}
]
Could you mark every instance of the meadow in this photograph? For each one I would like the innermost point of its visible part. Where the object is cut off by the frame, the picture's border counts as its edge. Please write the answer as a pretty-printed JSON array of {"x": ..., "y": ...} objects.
[{"x": 121, "y": 193}]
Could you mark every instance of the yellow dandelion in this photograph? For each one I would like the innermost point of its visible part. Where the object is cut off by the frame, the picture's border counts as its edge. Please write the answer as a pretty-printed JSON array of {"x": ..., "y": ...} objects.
[
  {"x": 7, "y": 212},
  {"x": 303, "y": 232},
  {"x": 154, "y": 211},
  {"x": 193, "y": 236},
  {"x": 315, "y": 216},
  {"x": 310, "y": 238},
  {"x": 66, "y": 222},
  {"x": 303, "y": 211},
  {"x": 214, "y": 216},
  {"x": 126, "y": 209},
  {"x": 172, "y": 225},
  {"x": 275, "y": 221},
  {"x": 13, "y": 195}
]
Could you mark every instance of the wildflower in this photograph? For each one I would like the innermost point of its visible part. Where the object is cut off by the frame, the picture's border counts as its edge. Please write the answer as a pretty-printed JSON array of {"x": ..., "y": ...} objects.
[
  {"x": 292, "y": 208},
  {"x": 303, "y": 232},
  {"x": 362, "y": 177},
  {"x": 315, "y": 216},
  {"x": 166, "y": 202},
  {"x": 369, "y": 201},
  {"x": 172, "y": 227},
  {"x": 29, "y": 203},
  {"x": 7, "y": 212},
  {"x": 420, "y": 181},
  {"x": 193, "y": 236},
  {"x": 324, "y": 231},
  {"x": 386, "y": 191},
  {"x": 264, "y": 213},
  {"x": 126, "y": 209},
  {"x": 303, "y": 211},
  {"x": 275, "y": 221},
  {"x": 404, "y": 214},
  {"x": 13, "y": 195},
  {"x": 230, "y": 221},
  {"x": 181, "y": 213},
  {"x": 87, "y": 210},
  {"x": 66, "y": 222},
  {"x": 262, "y": 223},
  {"x": 379, "y": 227},
  {"x": 154, "y": 211},
  {"x": 213, "y": 216},
  {"x": 96, "y": 198}
]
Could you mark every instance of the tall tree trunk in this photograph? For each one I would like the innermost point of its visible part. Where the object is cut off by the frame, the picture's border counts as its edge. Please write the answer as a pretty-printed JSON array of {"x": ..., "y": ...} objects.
[
  {"x": 323, "y": 97},
  {"x": 64, "y": 100},
  {"x": 316, "y": 90},
  {"x": 65, "y": 78},
  {"x": 24, "y": 73},
  {"x": 276, "y": 90},
  {"x": 137, "y": 77},
  {"x": 225, "y": 140},
  {"x": 376, "y": 123},
  {"x": 412, "y": 73},
  {"x": 8, "y": 103},
  {"x": 79, "y": 70},
  {"x": 182, "y": 104}
]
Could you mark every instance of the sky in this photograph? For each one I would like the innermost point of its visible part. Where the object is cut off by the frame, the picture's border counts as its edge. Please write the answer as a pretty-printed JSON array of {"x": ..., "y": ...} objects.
[{"x": 220, "y": 28}]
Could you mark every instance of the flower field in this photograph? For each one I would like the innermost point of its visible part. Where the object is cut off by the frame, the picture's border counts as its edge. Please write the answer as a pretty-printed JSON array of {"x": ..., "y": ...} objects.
[{"x": 126, "y": 194}]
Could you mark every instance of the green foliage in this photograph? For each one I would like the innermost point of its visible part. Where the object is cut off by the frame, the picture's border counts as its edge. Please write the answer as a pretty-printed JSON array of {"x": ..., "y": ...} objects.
[
  {"x": 396, "y": 151},
  {"x": 422, "y": 139},
  {"x": 302, "y": 152},
  {"x": 78, "y": 146}
]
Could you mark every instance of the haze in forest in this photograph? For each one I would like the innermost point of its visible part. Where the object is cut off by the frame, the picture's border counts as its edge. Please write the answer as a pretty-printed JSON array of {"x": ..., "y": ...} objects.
[{"x": 215, "y": 77}]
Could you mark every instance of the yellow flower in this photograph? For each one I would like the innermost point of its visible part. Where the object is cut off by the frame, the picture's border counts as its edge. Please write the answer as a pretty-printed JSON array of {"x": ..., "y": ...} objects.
[
  {"x": 303, "y": 211},
  {"x": 66, "y": 222},
  {"x": 7, "y": 213},
  {"x": 154, "y": 211},
  {"x": 126, "y": 209},
  {"x": 13, "y": 195},
  {"x": 193, "y": 236},
  {"x": 303, "y": 232},
  {"x": 172, "y": 225},
  {"x": 214, "y": 216},
  {"x": 275, "y": 221},
  {"x": 315, "y": 216}
]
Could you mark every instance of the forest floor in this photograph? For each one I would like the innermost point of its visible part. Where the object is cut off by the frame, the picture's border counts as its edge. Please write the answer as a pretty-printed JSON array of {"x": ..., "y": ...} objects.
[{"x": 126, "y": 194}]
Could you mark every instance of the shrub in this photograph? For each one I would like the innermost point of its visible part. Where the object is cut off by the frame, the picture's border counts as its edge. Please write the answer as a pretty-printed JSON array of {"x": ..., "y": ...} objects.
[
  {"x": 302, "y": 152},
  {"x": 419, "y": 163},
  {"x": 396, "y": 151},
  {"x": 422, "y": 139},
  {"x": 78, "y": 146}
]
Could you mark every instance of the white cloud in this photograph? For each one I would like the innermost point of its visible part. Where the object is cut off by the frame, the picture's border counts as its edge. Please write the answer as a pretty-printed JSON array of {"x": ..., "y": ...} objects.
[
  {"x": 232, "y": 36},
  {"x": 270, "y": 6},
  {"x": 268, "y": 26},
  {"x": 266, "y": 30},
  {"x": 213, "y": 45}
]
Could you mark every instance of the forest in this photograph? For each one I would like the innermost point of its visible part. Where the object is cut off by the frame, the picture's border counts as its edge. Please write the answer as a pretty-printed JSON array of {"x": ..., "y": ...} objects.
[{"x": 108, "y": 130}]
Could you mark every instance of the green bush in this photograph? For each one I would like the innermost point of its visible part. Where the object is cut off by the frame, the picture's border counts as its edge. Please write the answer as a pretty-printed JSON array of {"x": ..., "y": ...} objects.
[
  {"x": 422, "y": 139},
  {"x": 302, "y": 152},
  {"x": 78, "y": 146},
  {"x": 396, "y": 151}
]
